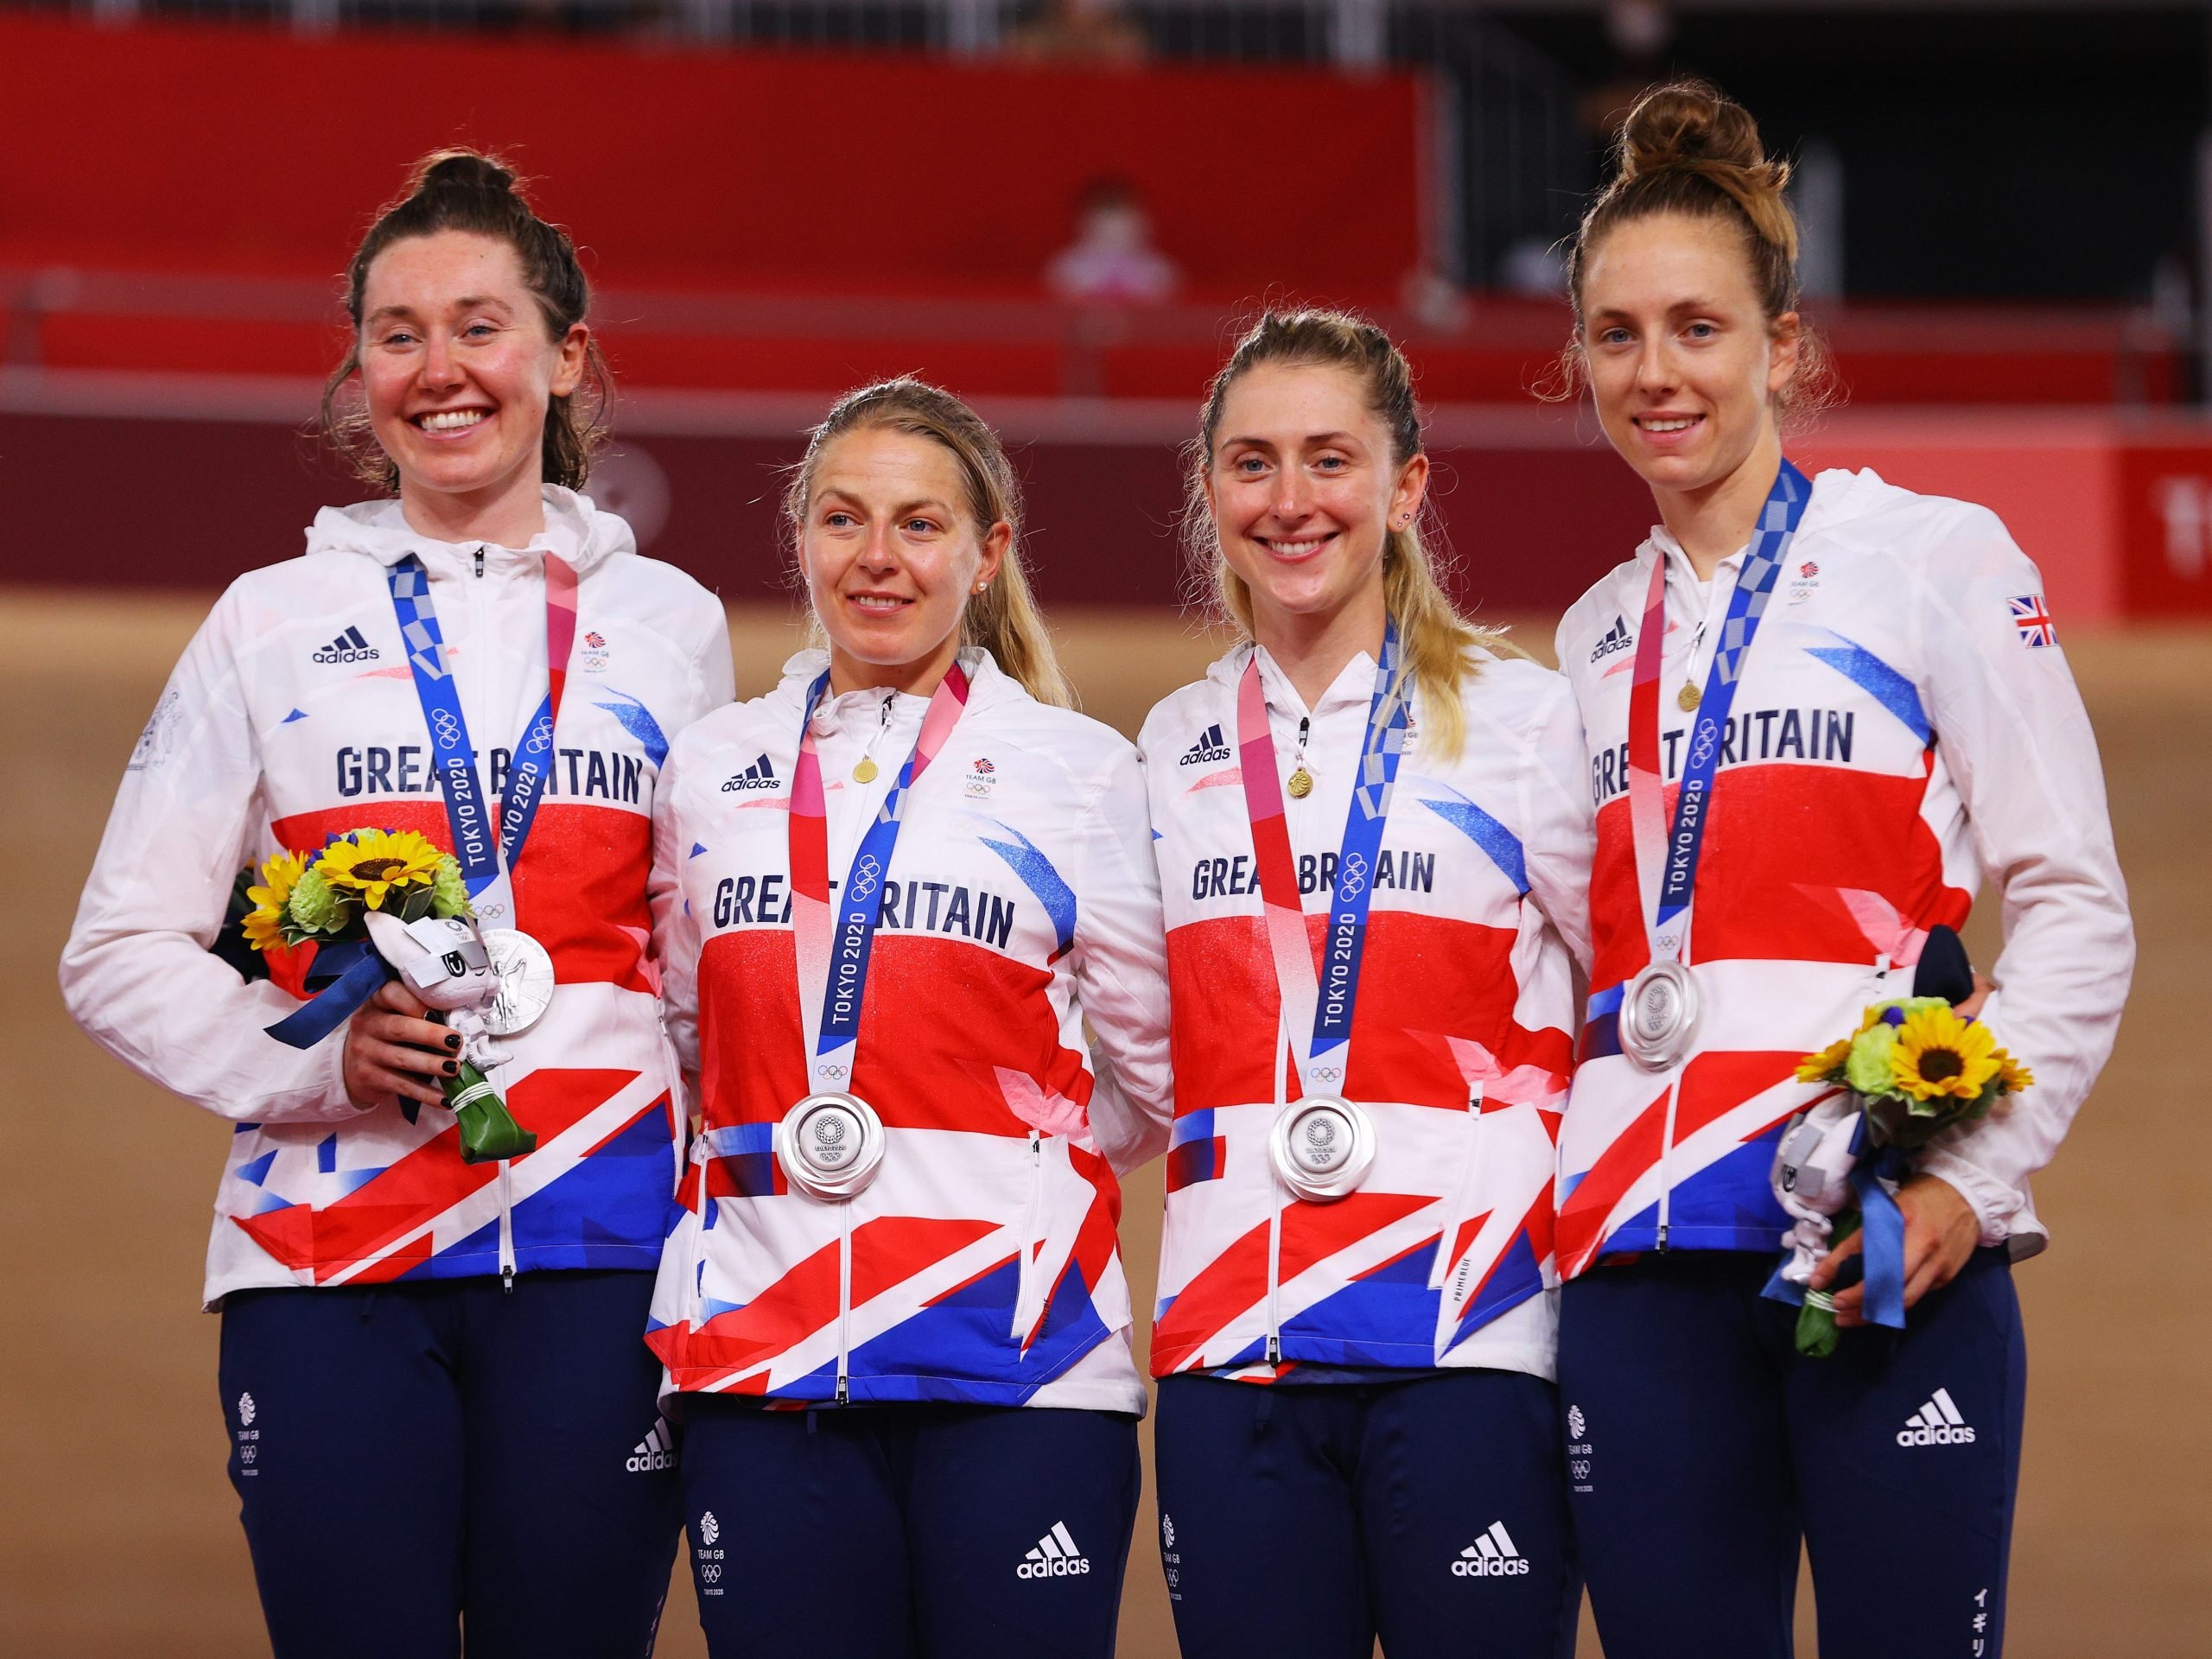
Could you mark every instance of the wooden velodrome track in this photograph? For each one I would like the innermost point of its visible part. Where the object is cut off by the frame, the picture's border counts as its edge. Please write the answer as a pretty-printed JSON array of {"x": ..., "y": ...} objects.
[{"x": 119, "y": 1532}]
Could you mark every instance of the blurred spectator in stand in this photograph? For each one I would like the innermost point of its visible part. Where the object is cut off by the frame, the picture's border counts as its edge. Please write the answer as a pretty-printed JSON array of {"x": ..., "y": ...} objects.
[
  {"x": 1816, "y": 187},
  {"x": 1432, "y": 301},
  {"x": 1638, "y": 31},
  {"x": 1112, "y": 260},
  {"x": 1079, "y": 31},
  {"x": 1534, "y": 269}
]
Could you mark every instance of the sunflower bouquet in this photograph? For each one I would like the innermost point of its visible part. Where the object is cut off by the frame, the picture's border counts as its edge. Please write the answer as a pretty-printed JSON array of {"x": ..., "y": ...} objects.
[
  {"x": 319, "y": 898},
  {"x": 379, "y": 906},
  {"x": 1914, "y": 1067}
]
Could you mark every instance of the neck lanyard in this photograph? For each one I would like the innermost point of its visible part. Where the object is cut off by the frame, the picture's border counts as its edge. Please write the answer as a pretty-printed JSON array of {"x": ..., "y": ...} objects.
[
  {"x": 1331, "y": 995},
  {"x": 1667, "y": 854},
  {"x": 487, "y": 866},
  {"x": 833, "y": 952}
]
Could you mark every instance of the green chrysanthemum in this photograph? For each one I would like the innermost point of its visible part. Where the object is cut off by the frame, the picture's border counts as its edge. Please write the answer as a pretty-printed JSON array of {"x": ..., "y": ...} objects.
[
  {"x": 316, "y": 906},
  {"x": 449, "y": 893},
  {"x": 1868, "y": 1069}
]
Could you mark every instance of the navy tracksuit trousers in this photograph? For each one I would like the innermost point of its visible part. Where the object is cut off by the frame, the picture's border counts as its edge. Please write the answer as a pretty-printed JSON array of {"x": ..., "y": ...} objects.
[
  {"x": 908, "y": 1531},
  {"x": 1701, "y": 1449},
  {"x": 1303, "y": 1522},
  {"x": 412, "y": 1460}
]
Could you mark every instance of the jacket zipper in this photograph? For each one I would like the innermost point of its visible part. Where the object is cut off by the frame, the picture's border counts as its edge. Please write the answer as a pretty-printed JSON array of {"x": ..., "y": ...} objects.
[
  {"x": 1023, "y": 1288},
  {"x": 479, "y": 561},
  {"x": 1274, "y": 1209},
  {"x": 844, "y": 1300}
]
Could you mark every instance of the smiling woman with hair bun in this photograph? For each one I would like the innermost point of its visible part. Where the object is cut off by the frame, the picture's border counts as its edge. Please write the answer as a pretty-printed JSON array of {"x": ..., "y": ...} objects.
[
  {"x": 1820, "y": 713},
  {"x": 440, "y": 1407}
]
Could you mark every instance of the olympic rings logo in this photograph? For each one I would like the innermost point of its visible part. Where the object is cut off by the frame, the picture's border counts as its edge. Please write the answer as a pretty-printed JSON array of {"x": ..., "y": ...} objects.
[
  {"x": 836, "y": 1073},
  {"x": 541, "y": 737},
  {"x": 447, "y": 726},
  {"x": 1355, "y": 874},
  {"x": 864, "y": 876},
  {"x": 1707, "y": 736},
  {"x": 711, "y": 1573}
]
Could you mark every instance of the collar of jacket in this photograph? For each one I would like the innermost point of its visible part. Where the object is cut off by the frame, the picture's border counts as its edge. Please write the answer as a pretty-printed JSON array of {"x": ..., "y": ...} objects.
[
  {"x": 1353, "y": 688},
  {"x": 575, "y": 528},
  {"x": 861, "y": 713}
]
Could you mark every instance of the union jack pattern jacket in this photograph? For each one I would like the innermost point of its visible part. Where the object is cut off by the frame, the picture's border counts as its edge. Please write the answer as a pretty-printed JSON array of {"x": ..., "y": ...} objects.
[
  {"x": 1905, "y": 728},
  {"x": 1460, "y": 1044},
  {"x": 983, "y": 1264},
  {"x": 292, "y": 717}
]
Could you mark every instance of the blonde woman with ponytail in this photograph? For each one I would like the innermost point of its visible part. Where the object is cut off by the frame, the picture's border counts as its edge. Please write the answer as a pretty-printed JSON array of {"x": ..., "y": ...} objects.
[
  {"x": 890, "y": 895},
  {"x": 1372, "y": 850}
]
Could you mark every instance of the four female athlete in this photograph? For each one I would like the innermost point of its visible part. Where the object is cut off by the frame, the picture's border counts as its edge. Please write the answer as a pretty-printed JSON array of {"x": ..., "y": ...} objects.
[
  {"x": 892, "y": 894},
  {"x": 897, "y": 901},
  {"x": 1357, "y": 1430},
  {"x": 1821, "y": 712},
  {"x": 440, "y": 1416}
]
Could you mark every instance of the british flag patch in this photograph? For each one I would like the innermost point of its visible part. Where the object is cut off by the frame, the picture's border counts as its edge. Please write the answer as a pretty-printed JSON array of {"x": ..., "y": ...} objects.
[{"x": 2031, "y": 617}]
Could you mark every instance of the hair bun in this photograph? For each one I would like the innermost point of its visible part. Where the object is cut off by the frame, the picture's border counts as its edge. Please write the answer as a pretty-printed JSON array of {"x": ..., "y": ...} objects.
[
  {"x": 1692, "y": 125},
  {"x": 462, "y": 170}
]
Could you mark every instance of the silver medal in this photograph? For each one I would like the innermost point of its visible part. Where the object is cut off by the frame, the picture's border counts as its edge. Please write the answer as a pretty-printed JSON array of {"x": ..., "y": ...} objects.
[
  {"x": 1322, "y": 1148},
  {"x": 1658, "y": 1016},
  {"x": 829, "y": 1147},
  {"x": 525, "y": 971}
]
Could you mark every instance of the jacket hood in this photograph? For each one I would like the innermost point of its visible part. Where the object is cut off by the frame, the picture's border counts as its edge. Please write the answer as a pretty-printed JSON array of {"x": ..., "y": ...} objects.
[{"x": 576, "y": 528}]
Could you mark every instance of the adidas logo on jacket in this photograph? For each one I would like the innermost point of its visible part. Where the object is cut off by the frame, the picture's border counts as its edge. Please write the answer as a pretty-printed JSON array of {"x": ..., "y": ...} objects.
[
  {"x": 1896, "y": 731},
  {"x": 984, "y": 1265},
  {"x": 259, "y": 717},
  {"x": 1460, "y": 1047}
]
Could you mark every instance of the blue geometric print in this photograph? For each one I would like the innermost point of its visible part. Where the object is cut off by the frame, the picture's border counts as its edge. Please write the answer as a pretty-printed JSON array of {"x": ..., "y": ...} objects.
[
  {"x": 1888, "y": 687},
  {"x": 1501, "y": 845},
  {"x": 1037, "y": 875},
  {"x": 638, "y": 720}
]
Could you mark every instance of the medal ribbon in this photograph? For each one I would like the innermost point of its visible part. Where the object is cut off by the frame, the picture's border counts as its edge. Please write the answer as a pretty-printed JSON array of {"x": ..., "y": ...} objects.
[
  {"x": 1667, "y": 856},
  {"x": 1331, "y": 994},
  {"x": 833, "y": 952},
  {"x": 485, "y": 864}
]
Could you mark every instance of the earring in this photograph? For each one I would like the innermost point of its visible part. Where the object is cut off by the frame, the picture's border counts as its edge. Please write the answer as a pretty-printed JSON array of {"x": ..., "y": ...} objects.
[{"x": 980, "y": 586}]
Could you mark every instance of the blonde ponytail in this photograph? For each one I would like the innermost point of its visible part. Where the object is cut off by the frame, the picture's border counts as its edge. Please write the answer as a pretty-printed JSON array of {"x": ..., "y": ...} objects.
[
  {"x": 1436, "y": 636},
  {"x": 1004, "y": 619}
]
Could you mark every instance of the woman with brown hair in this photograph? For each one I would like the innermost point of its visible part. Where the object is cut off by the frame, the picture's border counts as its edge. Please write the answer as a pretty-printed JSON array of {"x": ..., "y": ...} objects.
[
  {"x": 442, "y": 1421},
  {"x": 1354, "y": 1338},
  {"x": 1818, "y": 711},
  {"x": 891, "y": 896}
]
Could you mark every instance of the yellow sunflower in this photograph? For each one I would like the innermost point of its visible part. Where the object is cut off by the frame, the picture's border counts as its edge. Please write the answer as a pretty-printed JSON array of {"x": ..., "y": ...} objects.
[
  {"x": 2012, "y": 1076},
  {"x": 1815, "y": 1068},
  {"x": 374, "y": 863},
  {"x": 1938, "y": 1054},
  {"x": 263, "y": 925}
]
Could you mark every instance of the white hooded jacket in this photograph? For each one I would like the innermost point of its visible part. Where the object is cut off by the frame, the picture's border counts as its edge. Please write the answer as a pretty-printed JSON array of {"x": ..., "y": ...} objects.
[
  {"x": 1020, "y": 906},
  {"x": 291, "y": 717},
  {"x": 1904, "y": 727}
]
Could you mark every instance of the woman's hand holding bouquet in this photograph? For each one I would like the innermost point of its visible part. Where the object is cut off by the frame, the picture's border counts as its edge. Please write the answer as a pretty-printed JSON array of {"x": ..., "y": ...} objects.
[
  {"x": 406, "y": 968},
  {"x": 1915, "y": 1067}
]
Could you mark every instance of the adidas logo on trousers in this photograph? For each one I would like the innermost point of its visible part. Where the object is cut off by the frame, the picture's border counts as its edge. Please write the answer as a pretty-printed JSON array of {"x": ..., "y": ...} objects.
[
  {"x": 1054, "y": 1557},
  {"x": 655, "y": 1451},
  {"x": 1936, "y": 1423},
  {"x": 1491, "y": 1556}
]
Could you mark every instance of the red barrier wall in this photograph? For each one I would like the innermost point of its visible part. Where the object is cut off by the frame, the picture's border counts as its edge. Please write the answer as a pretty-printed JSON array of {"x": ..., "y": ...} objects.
[
  {"x": 2117, "y": 514},
  {"x": 243, "y": 150}
]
